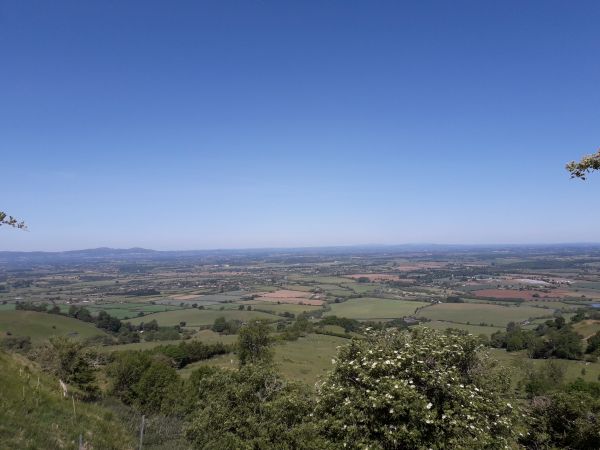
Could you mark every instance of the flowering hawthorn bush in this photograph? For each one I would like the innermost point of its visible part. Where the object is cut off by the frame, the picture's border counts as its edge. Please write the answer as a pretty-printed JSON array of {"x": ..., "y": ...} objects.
[{"x": 418, "y": 389}]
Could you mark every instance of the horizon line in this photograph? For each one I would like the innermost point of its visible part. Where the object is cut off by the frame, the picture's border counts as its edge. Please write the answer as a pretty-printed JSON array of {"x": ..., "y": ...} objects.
[{"x": 315, "y": 247}]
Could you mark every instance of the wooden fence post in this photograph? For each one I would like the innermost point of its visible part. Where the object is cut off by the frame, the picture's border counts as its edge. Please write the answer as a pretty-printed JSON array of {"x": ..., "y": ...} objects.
[{"x": 142, "y": 431}]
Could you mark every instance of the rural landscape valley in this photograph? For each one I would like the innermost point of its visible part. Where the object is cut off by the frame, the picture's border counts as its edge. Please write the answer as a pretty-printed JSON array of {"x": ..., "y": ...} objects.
[
  {"x": 535, "y": 310},
  {"x": 299, "y": 225}
]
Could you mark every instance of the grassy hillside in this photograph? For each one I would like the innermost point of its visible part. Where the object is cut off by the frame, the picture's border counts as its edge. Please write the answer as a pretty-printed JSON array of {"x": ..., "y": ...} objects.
[
  {"x": 36, "y": 416},
  {"x": 40, "y": 326}
]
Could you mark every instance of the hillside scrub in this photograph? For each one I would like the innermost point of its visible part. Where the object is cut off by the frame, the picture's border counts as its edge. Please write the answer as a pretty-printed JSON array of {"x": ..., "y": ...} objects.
[
  {"x": 35, "y": 415},
  {"x": 414, "y": 388}
]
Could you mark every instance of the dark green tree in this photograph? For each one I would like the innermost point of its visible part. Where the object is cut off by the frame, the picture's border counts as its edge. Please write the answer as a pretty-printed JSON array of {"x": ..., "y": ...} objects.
[
  {"x": 125, "y": 372},
  {"x": 253, "y": 408},
  {"x": 219, "y": 325},
  {"x": 254, "y": 343},
  {"x": 155, "y": 387},
  {"x": 569, "y": 420}
]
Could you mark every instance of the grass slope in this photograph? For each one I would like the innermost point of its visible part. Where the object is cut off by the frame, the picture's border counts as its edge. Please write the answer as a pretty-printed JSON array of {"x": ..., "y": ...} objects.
[
  {"x": 587, "y": 328},
  {"x": 40, "y": 326},
  {"x": 33, "y": 417}
]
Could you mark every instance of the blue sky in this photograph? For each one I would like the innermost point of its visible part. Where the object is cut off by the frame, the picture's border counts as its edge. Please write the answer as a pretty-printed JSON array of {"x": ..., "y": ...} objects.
[{"x": 253, "y": 123}]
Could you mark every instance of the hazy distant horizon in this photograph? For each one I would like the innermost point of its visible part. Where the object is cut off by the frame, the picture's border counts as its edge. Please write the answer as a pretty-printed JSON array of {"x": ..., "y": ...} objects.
[{"x": 424, "y": 246}]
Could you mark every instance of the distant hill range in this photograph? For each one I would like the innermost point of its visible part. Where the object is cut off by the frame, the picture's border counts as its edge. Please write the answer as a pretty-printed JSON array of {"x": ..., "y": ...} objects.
[{"x": 106, "y": 254}]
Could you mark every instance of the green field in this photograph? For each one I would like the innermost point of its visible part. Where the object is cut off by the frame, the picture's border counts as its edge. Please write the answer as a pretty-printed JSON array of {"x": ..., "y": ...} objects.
[
  {"x": 282, "y": 307},
  {"x": 586, "y": 285},
  {"x": 360, "y": 288},
  {"x": 198, "y": 317},
  {"x": 320, "y": 279},
  {"x": 374, "y": 308},
  {"x": 123, "y": 310},
  {"x": 551, "y": 304},
  {"x": 476, "y": 313},
  {"x": 40, "y": 326},
  {"x": 473, "y": 329},
  {"x": 304, "y": 360}
]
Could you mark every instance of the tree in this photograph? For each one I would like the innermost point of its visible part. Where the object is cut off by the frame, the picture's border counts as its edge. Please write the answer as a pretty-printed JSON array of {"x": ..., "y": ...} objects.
[
  {"x": 543, "y": 379},
  {"x": 587, "y": 164},
  {"x": 151, "y": 326},
  {"x": 416, "y": 389},
  {"x": 126, "y": 371},
  {"x": 563, "y": 343},
  {"x": 155, "y": 385},
  {"x": 253, "y": 408},
  {"x": 219, "y": 324},
  {"x": 11, "y": 221},
  {"x": 254, "y": 343},
  {"x": 108, "y": 322},
  {"x": 564, "y": 420},
  {"x": 70, "y": 361}
]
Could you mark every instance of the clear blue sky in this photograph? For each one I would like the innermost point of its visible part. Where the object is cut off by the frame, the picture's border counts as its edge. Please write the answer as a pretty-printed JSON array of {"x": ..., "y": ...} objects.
[{"x": 251, "y": 123}]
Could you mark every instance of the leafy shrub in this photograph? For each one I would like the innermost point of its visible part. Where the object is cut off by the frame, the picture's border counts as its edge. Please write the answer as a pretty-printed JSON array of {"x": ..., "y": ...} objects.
[
  {"x": 16, "y": 343},
  {"x": 419, "y": 389}
]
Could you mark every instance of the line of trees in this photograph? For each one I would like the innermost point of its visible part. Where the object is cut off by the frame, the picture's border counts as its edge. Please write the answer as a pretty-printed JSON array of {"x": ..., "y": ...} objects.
[{"x": 552, "y": 339}]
